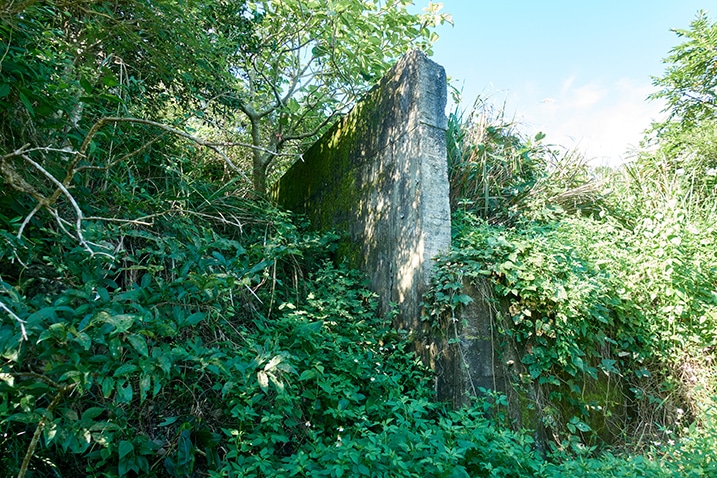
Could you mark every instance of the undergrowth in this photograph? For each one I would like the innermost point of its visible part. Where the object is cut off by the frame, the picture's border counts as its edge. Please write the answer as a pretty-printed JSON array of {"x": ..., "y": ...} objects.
[{"x": 197, "y": 369}]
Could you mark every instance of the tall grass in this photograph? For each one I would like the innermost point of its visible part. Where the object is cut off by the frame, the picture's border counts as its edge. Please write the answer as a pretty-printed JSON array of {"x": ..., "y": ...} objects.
[{"x": 498, "y": 173}]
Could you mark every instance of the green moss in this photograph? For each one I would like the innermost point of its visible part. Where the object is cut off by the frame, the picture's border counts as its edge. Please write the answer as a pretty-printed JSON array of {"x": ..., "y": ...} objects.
[{"x": 325, "y": 185}]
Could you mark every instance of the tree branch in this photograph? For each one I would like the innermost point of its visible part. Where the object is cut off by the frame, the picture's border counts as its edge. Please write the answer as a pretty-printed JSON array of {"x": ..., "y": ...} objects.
[
  {"x": 40, "y": 426},
  {"x": 309, "y": 134},
  {"x": 111, "y": 119},
  {"x": 18, "y": 319},
  {"x": 61, "y": 187}
]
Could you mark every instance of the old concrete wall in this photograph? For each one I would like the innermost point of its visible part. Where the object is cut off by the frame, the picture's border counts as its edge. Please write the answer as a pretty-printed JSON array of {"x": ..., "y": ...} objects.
[
  {"x": 380, "y": 177},
  {"x": 469, "y": 349}
]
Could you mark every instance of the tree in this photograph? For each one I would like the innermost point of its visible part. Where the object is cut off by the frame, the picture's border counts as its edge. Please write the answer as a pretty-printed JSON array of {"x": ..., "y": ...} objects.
[
  {"x": 68, "y": 66},
  {"x": 312, "y": 59},
  {"x": 59, "y": 57},
  {"x": 689, "y": 84},
  {"x": 687, "y": 139}
]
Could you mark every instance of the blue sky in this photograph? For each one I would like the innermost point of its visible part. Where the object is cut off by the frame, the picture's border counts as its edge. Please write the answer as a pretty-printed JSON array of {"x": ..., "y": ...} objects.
[{"x": 578, "y": 70}]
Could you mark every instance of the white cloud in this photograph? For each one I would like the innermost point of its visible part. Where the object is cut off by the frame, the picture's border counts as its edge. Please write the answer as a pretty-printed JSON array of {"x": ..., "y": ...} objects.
[
  {"x": 603, "y": 119},
  {"x": 585, "y": 96},
  {"x": 568, "y": 83}
]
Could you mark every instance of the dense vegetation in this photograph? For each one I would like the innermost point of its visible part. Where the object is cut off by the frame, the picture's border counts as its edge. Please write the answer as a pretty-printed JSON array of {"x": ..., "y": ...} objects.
[
  {"x": 604, "y": 282},
  {"x": 159, "y": 318}
]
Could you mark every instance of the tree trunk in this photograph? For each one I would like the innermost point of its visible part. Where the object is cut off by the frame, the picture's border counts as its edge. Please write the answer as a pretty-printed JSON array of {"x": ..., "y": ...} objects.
[
  {"x": 259, "y": 174},
  {"x": 259, "y": 159}
]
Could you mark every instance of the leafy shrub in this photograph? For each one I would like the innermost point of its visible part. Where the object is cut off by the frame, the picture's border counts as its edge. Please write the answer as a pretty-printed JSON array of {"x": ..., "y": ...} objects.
[
  {"x": 170, "y": 377},
  {"x": 604, "y": 280}
]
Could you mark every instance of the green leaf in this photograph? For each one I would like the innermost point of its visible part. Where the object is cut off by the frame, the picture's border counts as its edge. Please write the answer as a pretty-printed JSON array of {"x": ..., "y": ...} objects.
[
  {"x": 163, "y": 359},
  {"x": 4, "y": 90},
  {"x": 310, "y": 328},
  {"x": 86, "y": 85},
  {"x": 145, "y": 383},
  {"x": 185, "y": 453},
  {"x": 124, "y": 392},
  {"x": 125, "y": 448},
  {"x": 27, "y": 104},
  {"x": 125, "y": 369},
  {"x": 92, "y": 413},
  {"x": 108, "y": 385},
  {"x": 192, "y": 320},
  {"x": 139, "y": 344},
  {"x": 103, "y": 294},
  {"x": 167, "y": 421},
  {"x": 24, "y": 417},
  {"x": 121, "y": 322},
  {"x": 84, "y": 340},
  {"x": 110, "y": 81}
]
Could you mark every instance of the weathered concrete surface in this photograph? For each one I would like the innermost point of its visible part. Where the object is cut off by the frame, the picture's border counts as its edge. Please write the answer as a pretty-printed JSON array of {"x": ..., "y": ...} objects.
[
  {"x": 470, "y": 352},
  {"x": 472, "y": 355},
  {"x": 380, "y": 176}
]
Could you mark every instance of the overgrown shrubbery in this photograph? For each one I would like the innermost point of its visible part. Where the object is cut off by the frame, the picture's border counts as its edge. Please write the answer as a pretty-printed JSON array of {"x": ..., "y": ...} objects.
[
  {"x": 156, "y": 322},
  {"x": 196, "y": 353},
  {"x": 501, "y": 175}
]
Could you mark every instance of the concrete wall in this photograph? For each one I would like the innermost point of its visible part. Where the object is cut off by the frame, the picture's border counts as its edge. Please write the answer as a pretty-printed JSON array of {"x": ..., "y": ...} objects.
[
  {"x": 471, "y": 355},
  {"x": 380, "y": 177}
]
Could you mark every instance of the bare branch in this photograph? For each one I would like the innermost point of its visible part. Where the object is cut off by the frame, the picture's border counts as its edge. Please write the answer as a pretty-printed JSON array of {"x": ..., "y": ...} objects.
[
  {"x": 29, "y": 217},
  {"x": 111, "y": 119},
  {"x": 312, "y": 132},
  {"x": 61, "y": 187},
  {"x": 18, "y": 319},
  {"x": 123, "y": 221},
  {"x": 256, "y": 148},
  {"x": 295, "y": 81},
  {"x": 46, "y": 149},
  {"x": 60, "y": 221}
]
